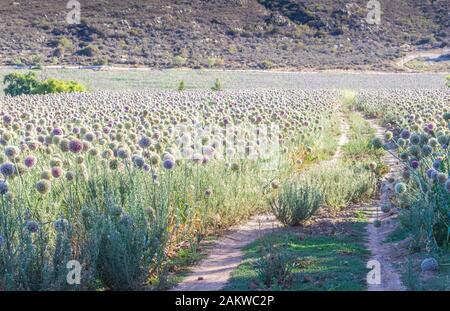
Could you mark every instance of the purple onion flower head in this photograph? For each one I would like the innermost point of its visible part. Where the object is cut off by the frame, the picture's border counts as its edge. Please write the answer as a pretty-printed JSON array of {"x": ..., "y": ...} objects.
[
  {"x": 431, "y": 126},
  {"x": 56, "y": 171},
  {"x": 31, "y": 226},
  {"x": 57, "y": 131},
  {"x": 30, "y": 161},
  {"x": 169, "y": 163},
  {"x": 7, "y": 169},
  {"x": 7, "y": 119},
  {"x": 2, "y": 241},
  {"x": 405, "y": 134},
  {"x": 75, "y": 146},
  {"x": 430, "y": 172},
  {"x": 144, "y": 142},
  {"x": 415, "y": 164}
]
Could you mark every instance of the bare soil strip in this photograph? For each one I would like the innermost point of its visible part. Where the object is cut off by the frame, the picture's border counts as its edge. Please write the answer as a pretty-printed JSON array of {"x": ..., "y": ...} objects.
[
  {"x": 385, "y": 253},
  {"x": 213, "y": 272}
]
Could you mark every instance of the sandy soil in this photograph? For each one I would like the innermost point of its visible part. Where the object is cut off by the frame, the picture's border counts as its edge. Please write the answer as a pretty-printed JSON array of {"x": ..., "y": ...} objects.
[{"x": 385, "y": 253}]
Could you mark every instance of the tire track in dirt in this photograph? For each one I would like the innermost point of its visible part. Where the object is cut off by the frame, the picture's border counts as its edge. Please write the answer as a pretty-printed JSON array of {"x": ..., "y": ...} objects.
[
  {"x": 384, "y": 253},
  {"x": 213, "y": 272}
]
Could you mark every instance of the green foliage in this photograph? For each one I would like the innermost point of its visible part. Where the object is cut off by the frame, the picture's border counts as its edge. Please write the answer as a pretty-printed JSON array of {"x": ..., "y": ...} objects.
[
  {"x": 179, "y": 61},
  {"x": 276, "y": 264},
  {"x": 29, "y": 84},
  {"x": 343, "y": 183},
  {"x": 217, "y": 85},
  {"x": 448, "y": 81},
  {"x": 18, "y": 84},
  {"x": 181, "y": 86},
  {"x": 296, "y": 202},
  {"x": 90, "y": 51},
  {"x": 52, "y": 85}
]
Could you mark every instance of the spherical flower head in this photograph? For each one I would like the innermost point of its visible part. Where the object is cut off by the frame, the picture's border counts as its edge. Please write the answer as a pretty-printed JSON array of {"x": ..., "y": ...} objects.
[
  {"x": 70, "y": 175},
  {"x": 427, "y": 150},
  {"x": 61, "y": 225},
  {"x": 2, "y": 242},
  {"x": 415, "y": 139},
  {"x": 400, "y": 188},
  {"x": 107, "y": 154},
  {"x": 56, "y": 172},
  {"x": 75, "y": 146},
  {"x": 441, "y": 178},
  {"x": 431, "y": 172},
  {"x": 89, "y": 136},
  {"x": 43, "y": 186},
  {"x": 138, "y": 161},
  {"x": 30, "y": 161},
  {"x": 144, "y": 142},
  {"x": 377, "y": 143},
  {"x": 3, "y": 187},
  {"x": 168, "y": 163},
  {"x": 431, "y": 126},
  {"x": 404, "y": 156},
  {"x": 123, "y": 153},
  {"x": 405, "y": 134},
  {"x": 7, "y": 169},
  {"x": 57, "y": 131},
  {"x": 433, "y": 142},
  {"x": 388, "y": 135},
  {"x": 31, "y": 226},
  {"x": 7, "y": 119},
  {"x": 11, "y": 151}
]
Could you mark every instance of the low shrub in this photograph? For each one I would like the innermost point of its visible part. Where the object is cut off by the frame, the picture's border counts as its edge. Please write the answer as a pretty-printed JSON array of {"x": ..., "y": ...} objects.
[{"x": 296, "y": 202}]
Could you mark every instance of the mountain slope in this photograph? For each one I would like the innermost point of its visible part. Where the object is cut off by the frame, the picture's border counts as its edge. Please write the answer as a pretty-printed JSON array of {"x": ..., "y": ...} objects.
[{"x": 300, "y": 34}]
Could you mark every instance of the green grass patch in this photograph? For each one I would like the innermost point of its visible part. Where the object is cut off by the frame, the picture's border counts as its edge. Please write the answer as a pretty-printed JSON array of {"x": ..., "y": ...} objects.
[{"x": 321, "y": 263}]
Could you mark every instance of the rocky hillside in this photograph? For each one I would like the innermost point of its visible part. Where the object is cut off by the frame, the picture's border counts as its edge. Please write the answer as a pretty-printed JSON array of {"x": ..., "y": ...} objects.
[{"x": 289, "y": 34}]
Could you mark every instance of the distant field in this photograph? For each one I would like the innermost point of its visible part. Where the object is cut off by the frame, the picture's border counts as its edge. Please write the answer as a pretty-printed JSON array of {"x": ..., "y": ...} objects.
[{"x": 204, "y": 79}]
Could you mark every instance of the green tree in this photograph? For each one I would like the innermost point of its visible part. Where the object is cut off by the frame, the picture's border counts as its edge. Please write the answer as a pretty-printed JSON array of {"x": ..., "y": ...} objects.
[{"x": 19, "y": 84}]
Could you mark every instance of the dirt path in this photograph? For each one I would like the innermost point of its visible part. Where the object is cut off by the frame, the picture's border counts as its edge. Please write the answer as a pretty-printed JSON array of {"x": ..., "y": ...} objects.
[
  {"x": 428, "y": 54},
  {"x": 385, "y": 253},
  {"x": 213, "y": 272},
  {"x": 343, "y": 139}
]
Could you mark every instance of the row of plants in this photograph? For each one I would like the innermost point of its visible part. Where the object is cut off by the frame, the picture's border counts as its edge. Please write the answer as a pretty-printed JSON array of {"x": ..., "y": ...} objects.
[
  {"x": 125, "y": 182},
  {"x": 419, "y": 136}
]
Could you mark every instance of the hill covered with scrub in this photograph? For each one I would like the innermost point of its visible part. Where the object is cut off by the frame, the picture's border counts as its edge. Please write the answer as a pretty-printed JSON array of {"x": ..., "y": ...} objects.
[{"x": 233, "y": 34}]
